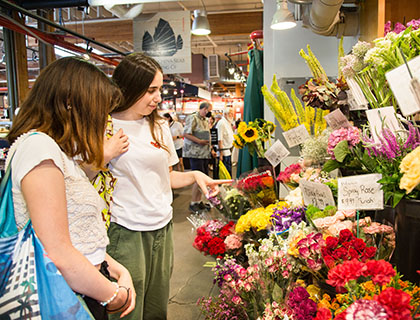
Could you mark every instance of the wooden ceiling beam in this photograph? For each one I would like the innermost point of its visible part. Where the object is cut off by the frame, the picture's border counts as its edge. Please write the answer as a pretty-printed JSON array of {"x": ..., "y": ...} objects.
[{"x": 227, "y": 24}]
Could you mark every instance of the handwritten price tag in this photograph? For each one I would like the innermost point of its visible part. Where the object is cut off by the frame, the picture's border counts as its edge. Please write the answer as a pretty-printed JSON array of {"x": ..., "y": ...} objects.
[
  {"x": 276, "y": 153},
  {"x": 337, "y": 120},
  {"x": 316, "y": 194},
  {"x": 361, "y": 192},
  {"x": 296, "y": 136}
]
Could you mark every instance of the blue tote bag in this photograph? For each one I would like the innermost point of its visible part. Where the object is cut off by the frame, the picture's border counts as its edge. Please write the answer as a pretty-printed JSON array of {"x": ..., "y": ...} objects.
[{"x": 31, "y": 287}]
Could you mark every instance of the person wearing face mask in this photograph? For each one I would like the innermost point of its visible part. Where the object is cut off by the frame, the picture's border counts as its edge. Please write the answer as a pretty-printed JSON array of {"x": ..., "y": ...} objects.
[
  {"x": 225, "y": 137},
  {"x": 140, "y": 232},
  {"x": 197, "y": 149}
]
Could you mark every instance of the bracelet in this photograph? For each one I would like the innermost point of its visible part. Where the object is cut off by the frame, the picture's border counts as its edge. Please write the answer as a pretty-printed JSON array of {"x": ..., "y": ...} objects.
[
  {"x": 125, "y": 303},
  {"x": 105, "y": 303}
]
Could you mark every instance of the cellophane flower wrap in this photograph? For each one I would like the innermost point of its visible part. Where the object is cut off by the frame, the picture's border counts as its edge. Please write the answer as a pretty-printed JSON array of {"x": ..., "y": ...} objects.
[
  {"x": 259, "y": 187},
  {"x": 231, "y": 202}
]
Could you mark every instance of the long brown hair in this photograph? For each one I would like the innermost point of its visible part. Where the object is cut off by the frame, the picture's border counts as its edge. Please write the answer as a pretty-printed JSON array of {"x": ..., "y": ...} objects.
[
  {"x": 70, "y": 101},
  {"x": 134, "y": 75}
]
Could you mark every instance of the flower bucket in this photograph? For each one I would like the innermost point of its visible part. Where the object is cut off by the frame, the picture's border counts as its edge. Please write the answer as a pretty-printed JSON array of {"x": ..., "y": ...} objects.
[{"x": 407, "y": 253}]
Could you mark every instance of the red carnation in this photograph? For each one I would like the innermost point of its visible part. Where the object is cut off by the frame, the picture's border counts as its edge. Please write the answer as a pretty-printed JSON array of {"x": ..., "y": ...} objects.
[
  {"x": 323, "y": 314},
  {"x": 380, "y": 270},
  {"x": 396, "y": 303},
  {"x": 341, "y": 274}
]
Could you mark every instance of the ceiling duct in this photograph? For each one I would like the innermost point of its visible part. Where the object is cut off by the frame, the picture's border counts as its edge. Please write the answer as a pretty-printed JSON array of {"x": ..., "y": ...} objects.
[
  {"x": 124, "y": 12},
  {"x": 327, "y": 20}
]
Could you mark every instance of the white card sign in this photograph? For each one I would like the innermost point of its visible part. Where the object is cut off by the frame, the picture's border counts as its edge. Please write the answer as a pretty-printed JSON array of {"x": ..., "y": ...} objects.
[
  {"x": 296, "y": 136},
  {"x": 382, "y": 118},
  {"x": 400, "y": 83},
  {"x": 316, "y": 194},
  {"x": 276, "y": 153},
  {"x": 357, "y": 94},
  {"x": 337, "y": 120},
  {"x": 352, "y": 102},
  {"x": 361, "y": 192}
]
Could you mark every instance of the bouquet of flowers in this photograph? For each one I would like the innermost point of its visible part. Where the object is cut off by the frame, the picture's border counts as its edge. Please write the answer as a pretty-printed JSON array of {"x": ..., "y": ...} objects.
[
  {"x": 287, "y": 176},
  {"x": 231, "y": 202},
  {"x": 210, "y": 238},
  {"x": 372, "y": 290},
  {"x": 259, "y": 187},
  {"x": 282, "y": 218},
  {"x": 345, "y": 247},
  {"x": 253, "y": 135}
]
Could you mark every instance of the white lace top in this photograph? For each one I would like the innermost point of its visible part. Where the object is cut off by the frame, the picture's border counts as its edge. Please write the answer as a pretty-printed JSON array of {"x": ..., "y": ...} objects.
[{"x": 84, "y": 205}]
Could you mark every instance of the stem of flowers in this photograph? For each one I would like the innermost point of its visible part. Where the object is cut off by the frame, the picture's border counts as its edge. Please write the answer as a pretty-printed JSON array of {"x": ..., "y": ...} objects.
[{"x": 357, "y": 218}]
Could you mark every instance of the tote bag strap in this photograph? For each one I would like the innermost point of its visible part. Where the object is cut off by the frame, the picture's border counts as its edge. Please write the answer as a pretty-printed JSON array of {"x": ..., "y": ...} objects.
[{"x": 7, "y": 212}]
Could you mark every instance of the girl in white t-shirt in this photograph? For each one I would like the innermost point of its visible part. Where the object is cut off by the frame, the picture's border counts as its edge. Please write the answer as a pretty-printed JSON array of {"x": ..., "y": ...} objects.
[
  {"x": 141, "y": 221},
  {"x": 64, "y": 119}
]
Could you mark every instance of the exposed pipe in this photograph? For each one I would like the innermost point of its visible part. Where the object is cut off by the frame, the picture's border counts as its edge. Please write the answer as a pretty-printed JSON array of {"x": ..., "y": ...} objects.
[
  {"x": 11, "y": 6},
  {"x": 52, "y": 39},
  {"x": 326, "y": 19},
  {"x": 50, "y": 4}
]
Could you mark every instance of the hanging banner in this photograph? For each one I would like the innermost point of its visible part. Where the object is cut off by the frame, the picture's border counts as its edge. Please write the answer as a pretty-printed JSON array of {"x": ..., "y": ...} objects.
[{"x": 166, "y": 37}]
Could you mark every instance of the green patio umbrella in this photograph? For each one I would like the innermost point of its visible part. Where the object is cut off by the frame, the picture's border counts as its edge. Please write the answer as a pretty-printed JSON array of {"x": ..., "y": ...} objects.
[{"x": 253, "y": 106}]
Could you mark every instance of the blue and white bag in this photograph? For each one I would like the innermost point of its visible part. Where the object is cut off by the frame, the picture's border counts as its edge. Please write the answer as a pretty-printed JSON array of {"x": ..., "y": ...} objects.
[{"x": 31, "y": 287}]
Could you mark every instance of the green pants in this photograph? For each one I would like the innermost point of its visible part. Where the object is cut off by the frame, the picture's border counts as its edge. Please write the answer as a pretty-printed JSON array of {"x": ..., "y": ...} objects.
[{"x": 148, "y": 256}]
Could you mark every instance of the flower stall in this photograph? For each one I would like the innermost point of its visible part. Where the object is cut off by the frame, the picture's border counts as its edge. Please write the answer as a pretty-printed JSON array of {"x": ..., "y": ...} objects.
[{"x": 345, "y": 241}]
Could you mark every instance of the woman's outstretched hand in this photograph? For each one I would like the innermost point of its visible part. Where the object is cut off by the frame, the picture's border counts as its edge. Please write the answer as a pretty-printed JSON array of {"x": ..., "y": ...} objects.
[{"x": 209, "y": 186}]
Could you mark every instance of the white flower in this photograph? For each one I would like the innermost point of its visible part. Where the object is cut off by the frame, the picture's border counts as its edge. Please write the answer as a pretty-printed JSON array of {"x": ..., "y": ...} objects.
[{"x": 295, "y": 198}]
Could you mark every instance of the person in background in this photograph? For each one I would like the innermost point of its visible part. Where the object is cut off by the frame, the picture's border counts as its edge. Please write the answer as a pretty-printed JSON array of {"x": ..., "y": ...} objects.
[
  {"x": 197, "y": 149},
  {"x": 141, "y": 221},
  {"x": 51, "y": 189},
  {"x": 177, "y": 131},
  {"x": 225, "y": 137}
]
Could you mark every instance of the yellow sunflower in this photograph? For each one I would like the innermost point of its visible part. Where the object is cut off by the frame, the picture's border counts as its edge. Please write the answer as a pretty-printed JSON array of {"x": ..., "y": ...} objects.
[
  {"x": 250, "y": 135},
  {"x": 242, "y": 127}
]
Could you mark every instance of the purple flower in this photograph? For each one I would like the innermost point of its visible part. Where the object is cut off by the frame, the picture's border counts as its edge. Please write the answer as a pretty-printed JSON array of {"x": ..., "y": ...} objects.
[{"x": 283, "y": 219}]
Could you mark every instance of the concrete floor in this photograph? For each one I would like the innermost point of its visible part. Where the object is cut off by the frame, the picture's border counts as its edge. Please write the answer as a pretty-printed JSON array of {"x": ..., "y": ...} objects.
[{"x": 190, "y": 278}]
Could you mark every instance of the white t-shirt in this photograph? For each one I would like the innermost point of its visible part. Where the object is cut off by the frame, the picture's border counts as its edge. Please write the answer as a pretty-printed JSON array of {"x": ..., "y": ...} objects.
[
  {"x": 143, "y": 196},
  {"x": 225, "y": 134},
  {"x": 177, "y": 130},
  {"x": 84, "y": 205}
]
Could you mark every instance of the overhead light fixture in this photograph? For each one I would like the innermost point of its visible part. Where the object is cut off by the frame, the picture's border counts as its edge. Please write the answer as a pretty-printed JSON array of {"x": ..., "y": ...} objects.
[
  {"x": 200, "y": 25},
  {"x": 283, "y": 19}
]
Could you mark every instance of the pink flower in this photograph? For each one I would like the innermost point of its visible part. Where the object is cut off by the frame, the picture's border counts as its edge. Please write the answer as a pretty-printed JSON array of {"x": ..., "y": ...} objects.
[
  {"x": 236, "y": 300},
  {"x": 366, "y": 310},
  {"x": 351, "y": 134},
  {"x": 324, "y": 223},
  {"x": 233, "y": 242},
  {"x": 336, "y": 228}
]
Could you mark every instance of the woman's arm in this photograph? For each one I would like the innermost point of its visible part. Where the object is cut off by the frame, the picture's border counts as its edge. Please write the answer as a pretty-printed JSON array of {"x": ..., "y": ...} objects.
[
  {"x": 209, "y": 186},
  {"x": 44, "y": 191},
  {"x": 113, "y": 147},
  {"x": 121, "y": 274}
]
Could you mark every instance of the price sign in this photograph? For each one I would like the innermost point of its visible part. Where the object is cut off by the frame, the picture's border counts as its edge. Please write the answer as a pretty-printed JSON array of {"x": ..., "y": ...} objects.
[
  {"x": 352, "y": 102},
  {"x": 361, "y": 192},
  {"x": 296, "y": 136},
  {"x": 356, "y": 93},
  {"x": 382, "y": 118},
  {"x": 316, "y": 194},
  {"x": 401, "y": 85},
  {"x": 276, "y": 153},
  {"x": 337, "y": 120}
]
